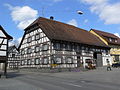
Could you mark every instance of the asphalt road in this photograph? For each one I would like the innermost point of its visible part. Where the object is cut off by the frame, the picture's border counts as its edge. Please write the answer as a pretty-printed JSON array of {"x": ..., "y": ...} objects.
[{"x": 59, "y": 81}]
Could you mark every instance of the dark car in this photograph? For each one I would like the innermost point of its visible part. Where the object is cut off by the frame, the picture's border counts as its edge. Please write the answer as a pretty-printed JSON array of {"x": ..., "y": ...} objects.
[{"x": 116, "y": 65}]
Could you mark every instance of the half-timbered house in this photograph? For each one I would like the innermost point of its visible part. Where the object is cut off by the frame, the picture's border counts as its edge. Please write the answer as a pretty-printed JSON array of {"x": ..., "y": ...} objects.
[
  {"x": 53, "y": 44},
  {"x": 13, "y": 57},
  {"x": 4, "y": 38},
  {"x": 112, "y": 41}
]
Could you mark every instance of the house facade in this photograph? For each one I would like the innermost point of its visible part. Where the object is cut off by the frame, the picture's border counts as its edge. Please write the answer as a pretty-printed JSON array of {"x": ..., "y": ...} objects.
[
  {"x": 13, "y": 57},
  {"x": 112, "y": 41},
  {"x": 4, "y": 38},
  {"x": 52, "y": 44}
]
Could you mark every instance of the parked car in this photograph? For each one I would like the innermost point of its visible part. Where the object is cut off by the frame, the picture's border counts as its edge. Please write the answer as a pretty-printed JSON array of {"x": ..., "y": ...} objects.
[{"x": 115, "y": 65}]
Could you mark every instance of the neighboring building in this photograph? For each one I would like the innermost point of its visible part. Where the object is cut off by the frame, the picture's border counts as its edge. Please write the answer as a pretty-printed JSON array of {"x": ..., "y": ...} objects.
[
  {"x": 49, "y": 43},
  {"x": 111, "y": 40},
  {"x": 13, "y": 57},
  {"x": 4, "y": 38}
]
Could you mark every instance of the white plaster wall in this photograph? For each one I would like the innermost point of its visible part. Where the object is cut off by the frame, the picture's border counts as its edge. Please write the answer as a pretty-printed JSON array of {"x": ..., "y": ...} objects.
[
  {"x": 2, "y": 34},
  {"x": 2, "y": 53},
  {"x": 4, "y": 47},
  {"x": 105, "y": 57}
]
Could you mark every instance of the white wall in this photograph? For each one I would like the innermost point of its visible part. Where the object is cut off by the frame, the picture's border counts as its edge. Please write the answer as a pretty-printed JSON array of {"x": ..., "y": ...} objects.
[
  {"x": 105, "y": 57},
  {"x": 2, "y": 34}
]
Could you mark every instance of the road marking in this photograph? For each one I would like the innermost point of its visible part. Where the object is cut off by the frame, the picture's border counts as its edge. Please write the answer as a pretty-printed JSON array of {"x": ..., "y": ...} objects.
[{"x": 72, "y": 84}]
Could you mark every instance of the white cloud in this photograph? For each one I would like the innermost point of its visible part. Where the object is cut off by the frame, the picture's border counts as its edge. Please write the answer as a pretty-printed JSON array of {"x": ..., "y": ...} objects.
[
  {"x": 19, "y": 39},
  {"x": 107, "y": 12},
  {"x": 73, "y": 22},
  {"x": 117, "y": 34},
  {"x": 22, "y": 16}
]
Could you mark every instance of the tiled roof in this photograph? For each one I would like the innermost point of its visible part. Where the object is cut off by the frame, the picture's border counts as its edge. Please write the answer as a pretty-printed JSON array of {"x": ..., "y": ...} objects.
[
  {"x": 60, "y": 31},
  {"x": 7, "y": 35},
  {"x": 107, "y": 35}
]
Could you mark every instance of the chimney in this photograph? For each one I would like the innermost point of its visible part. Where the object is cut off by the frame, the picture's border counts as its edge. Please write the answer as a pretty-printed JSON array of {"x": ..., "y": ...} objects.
[{"x": 51, "y": 17}]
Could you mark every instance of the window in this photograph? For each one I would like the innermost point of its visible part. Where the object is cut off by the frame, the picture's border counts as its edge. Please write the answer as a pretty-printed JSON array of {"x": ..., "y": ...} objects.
[
  {"x": 25, "y": 62},
  {"x": 28, "y": 62},
  {"x": 29, "y": 50},
  {"x": 33, "y": 37},
  {"x": 58, "y": 60},
  {"x": 63, "y": 45},
  {"x": 45, "y": 47},
  {"x": 13, "y": 55},
  {"x": 37, "y": 49},
  {"x": 78, "y": 48},
  {"x": 83, "y": 48},
  {"x": 75, "y": 47},
  {"x": 45, "y": 60},
  {"x": 107, "y": 52},
  {"x": 37, "y": 37},
  {"x": 22, "y": 52},
  {"x": 68, "y": 47},
  {"x": 110, "y": 39},
  {"x": 29, "y": 39},
  {"x": 22, "y": 62},
  {"x": 69, "y": 60},
  {"x": 115, "y": 40},
  {"x": 57, "y": 46},
  {"x": 37, "y": 61}
]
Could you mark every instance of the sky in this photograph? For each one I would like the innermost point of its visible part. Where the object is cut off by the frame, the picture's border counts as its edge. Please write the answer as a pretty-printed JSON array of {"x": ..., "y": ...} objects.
[{"x": 16, "y": 15}]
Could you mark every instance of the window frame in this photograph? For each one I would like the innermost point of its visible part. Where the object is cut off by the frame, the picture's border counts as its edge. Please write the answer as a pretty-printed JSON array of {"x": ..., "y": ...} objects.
[
  {"x": 44, "y": 61},
  {"x": 28, "y": 61},
  {"x": 43, "y": 47},
  {"x": 22, "y": 62},
  {"x": 36, "y": 51},
  {"x": 29, "y": 50},
  {"x": 37, "y": 36},
  {"x": 29, "y": 39},
  {"x": 55, "y": 60},
  {"x": 13, "y": 55},
  {"x": 57, "y": 46},
  {"x": 36, "y": 61},
  {"x": 68, "y": 60},
  {"x": 68, "y": 47}
]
